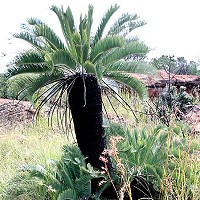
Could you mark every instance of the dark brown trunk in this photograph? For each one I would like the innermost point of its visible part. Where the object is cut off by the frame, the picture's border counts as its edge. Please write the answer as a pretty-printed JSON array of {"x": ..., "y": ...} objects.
[{"x": 85, "y": 102}]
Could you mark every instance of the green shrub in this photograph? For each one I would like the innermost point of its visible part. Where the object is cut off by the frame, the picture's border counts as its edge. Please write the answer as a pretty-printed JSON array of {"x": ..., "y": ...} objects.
[{"x": 161, "y": 156}]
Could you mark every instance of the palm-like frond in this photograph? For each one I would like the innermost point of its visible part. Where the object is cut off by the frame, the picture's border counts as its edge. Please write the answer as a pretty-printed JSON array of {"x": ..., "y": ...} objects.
[
  {"x": 85, "y": 31},
  {"x": 66, "y": 21},
  {"x": 77, "y": 39},
  {"x": 85, "y": 46},
  {"x": 68, "y": 28},
  {"x": 132, "y": 48},
  {"x": 104, "y": 45},
  {"x": 59, "y": 12},
  {"x": 62, "y": 58},
  {"x": 69, "y": 16},
  {"x": 130, "y": 67},
  {"x": 40, "y": 81},
  {"x": 44, "y": 31},
  {"x": 28, "y": 62},
  {"x": 89, "y": 21},
  {"x": 31, "y": 39},
  {"x": 29, "y": 84},
  {"x": 104, "y": 22},
  {"x": 125, "y": 24},
  {"x": 34, "y": 21},
  {"x": 129, "y": 81}
]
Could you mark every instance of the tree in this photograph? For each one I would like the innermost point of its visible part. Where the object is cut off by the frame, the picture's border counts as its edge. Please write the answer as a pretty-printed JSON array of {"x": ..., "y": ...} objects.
[
  {"x": 73, "y": 69},
  {"x": 4, "y": 86},
  {"x": 176, "y": 65},
  {"x": 9, "y": 87}
]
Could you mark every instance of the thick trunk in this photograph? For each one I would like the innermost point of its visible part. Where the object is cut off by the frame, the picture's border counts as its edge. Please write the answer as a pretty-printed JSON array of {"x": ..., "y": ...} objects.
[{"x": 85, "y": 102}]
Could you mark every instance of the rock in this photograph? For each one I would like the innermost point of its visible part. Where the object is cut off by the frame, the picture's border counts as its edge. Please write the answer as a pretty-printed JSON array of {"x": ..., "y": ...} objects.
[
  {"x": 13, "y": 113},
  {"x": 193, "y": 118}
]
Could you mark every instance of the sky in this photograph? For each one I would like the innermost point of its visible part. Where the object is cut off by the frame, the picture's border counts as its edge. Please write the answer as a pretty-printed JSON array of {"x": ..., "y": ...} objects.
[{"x": 172, "y": 25}]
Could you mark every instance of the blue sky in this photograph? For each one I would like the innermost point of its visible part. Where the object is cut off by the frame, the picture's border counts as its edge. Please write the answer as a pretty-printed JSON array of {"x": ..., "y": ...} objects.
[{"x": 172, "y": 25}]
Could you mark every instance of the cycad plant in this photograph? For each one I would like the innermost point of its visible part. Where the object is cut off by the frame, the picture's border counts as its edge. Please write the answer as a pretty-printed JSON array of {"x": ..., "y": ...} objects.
[
  {"x": 72, "y": 70},
  {"x": 139, "y": 157},
  {"x": 67, "y": 178}
]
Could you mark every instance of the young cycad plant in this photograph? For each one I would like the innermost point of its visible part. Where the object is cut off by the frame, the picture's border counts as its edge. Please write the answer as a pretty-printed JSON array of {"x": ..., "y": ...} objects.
[
  {"x": 142, "y": 156},
  {"x": 160, "y": 156},
  {"x": 68, "y": 178},
  {"x": 72, "y": 70}
]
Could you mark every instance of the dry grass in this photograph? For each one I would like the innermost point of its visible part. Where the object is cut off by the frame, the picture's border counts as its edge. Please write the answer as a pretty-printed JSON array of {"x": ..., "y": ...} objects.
[{"x": 27, "y": 145}]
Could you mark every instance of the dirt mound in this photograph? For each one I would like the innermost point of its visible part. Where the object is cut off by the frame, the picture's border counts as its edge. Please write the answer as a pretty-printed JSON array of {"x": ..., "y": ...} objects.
[{"x": 13, "y": 113}]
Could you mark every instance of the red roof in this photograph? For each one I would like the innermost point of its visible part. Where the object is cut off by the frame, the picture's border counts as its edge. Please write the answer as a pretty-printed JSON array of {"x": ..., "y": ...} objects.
[
  {"x": 182, "y": 78},
  {"x": 162, "y": 77}
]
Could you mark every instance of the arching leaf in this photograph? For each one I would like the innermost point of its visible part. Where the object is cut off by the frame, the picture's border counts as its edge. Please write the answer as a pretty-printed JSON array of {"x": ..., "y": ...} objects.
[
  {"x": 49, "y": 36},
  {"x": 105, "y": 45},
  {"x": 131, "y": 82},
  {"x": 28, "y": 62},
  {"x": 104, "y": 22},
  {"x": 67, "y": 25},
  {"x": 132, "y": 48},
  {"x": 68, "y": 194},
  {"x": 140, "y": 67},
  {"x": 31, "y": 39},
  {"x": 125, "y": 24},
  {"x": 63, "y": 58}
]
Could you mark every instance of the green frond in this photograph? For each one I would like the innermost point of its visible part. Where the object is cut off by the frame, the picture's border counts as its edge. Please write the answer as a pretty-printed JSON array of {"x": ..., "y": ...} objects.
[
  {"x": 59, "y": 13},
  {"x": 34, "y": 21},
  {"x": 131, "y": 82},
  {"x": 89, "y": 67},
  {"x": 49, "y": 36},
  {"x": 69, "y": 16},
  {"x": 31, "y": 39},
  {"x": 132, "y": 26},
  {"x": 78, "y": 46},
  {"x": 98, "y": 71},
  {"x": 68, "y": 194},
  {"x": 68, "y": 28},
  {"x": 132, "y": 48},
  {"x": 63, "y": 58},
  {"x": 84, "y": 28},
  {"x": 67, "y": 23},
  {"x": 89, "y": 21},
  {"x": 82, "y": 25},
  {"x": 27, "y": 62},
  {"x": 125, "y": 24},
  {"x": 29, "y": 57},
  {"x": 37, "y": 82},
  {"x": 104, "y": 22},
  {"x": 83, "y": 183},
  {"x": 131, "y": 67},
  {"x": 85, "y": 46},
  {"x": 104, "y": 45}
]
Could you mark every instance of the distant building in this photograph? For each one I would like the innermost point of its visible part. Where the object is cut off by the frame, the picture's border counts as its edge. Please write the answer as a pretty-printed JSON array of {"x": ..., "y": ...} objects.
[{"x": 158, "y": 83}]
